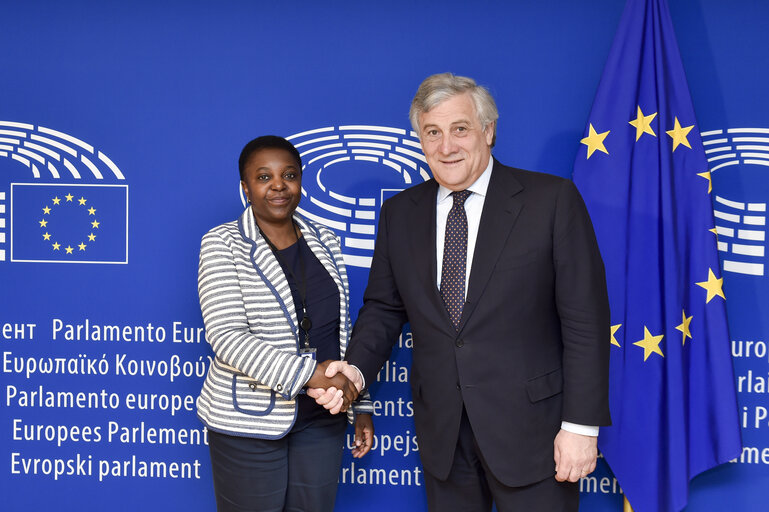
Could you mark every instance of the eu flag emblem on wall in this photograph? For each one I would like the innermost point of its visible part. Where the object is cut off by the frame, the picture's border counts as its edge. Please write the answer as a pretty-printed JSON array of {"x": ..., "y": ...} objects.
[
  {"x": 69, "y": 223},
  {"x": 642, "y": 171}
]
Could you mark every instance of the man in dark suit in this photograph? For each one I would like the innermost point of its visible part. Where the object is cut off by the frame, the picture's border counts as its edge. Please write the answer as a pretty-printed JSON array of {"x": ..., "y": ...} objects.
[{"x": 498, "y": 272}]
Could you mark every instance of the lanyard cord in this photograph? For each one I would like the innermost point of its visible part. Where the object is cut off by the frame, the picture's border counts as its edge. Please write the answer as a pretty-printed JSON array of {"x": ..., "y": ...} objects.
[{"x": 305, "y": 323}]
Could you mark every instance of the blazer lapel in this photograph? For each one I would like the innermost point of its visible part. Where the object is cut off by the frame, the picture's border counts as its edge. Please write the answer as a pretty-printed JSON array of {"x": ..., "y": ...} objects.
[
  {"x": 422, "y": 240},
  {"x": 500, "y": 211},
  {"x": 267, "y": 266}
]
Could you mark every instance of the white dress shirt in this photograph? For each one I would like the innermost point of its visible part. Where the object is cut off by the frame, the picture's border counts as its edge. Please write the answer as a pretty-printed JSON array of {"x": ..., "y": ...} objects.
[{"x": 473, "y": 210}]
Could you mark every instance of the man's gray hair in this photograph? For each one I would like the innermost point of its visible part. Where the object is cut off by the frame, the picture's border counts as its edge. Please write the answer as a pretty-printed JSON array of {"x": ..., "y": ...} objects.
[{"x": 438, "y": 88}]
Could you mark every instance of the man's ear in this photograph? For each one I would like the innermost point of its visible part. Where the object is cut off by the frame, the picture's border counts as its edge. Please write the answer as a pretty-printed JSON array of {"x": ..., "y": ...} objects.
[{"x": 491, "y": 132}]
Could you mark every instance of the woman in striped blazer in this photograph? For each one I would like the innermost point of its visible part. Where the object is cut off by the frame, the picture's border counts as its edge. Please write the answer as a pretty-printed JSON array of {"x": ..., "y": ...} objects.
[{"x": 274, "y": 296}]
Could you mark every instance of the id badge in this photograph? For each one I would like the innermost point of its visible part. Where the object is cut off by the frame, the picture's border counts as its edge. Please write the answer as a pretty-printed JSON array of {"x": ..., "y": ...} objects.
[{"x": 308, "y": 352}]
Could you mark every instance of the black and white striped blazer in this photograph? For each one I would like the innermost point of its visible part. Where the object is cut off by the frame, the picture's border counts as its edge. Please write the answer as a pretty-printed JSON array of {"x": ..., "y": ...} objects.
[{"x": 250, "y": 321}]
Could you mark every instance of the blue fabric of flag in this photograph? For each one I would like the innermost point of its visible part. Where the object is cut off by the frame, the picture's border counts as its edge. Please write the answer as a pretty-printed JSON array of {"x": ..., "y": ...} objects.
[
  {"x": 642, "y": 171},
  {"x": 69, "y": 223}
]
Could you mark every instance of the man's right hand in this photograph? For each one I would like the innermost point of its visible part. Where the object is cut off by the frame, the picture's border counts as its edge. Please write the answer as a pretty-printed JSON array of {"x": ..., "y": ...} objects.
[
  {"x": 333, "y": 385},
  {"x": 332, "y": 398}
]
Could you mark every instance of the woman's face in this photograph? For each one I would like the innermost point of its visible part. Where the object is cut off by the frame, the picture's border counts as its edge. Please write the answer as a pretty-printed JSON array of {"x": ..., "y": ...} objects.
[{"x": 272, "y": 182}]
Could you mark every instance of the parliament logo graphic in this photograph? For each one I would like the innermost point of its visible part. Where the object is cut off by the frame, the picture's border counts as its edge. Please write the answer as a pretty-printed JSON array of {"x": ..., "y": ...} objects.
[
  {"x": 348, "y": 172},
  {"x": 740, "y": 210},
  {"x": 69, "y": 206}
]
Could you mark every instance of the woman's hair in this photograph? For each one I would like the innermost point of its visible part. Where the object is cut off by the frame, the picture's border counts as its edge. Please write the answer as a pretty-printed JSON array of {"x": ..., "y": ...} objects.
[{"x": 266, "y": 142}]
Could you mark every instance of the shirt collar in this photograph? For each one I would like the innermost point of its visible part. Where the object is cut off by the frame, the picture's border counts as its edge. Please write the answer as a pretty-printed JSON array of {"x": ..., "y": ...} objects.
[{"x": 479, "y": 186}]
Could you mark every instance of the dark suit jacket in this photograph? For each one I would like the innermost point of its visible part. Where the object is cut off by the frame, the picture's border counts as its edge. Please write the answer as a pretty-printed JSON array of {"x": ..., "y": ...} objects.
[{"x": 533, "y": 343}]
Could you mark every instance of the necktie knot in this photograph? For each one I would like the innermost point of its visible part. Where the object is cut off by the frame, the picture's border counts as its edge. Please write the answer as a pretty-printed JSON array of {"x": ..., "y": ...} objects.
[{"x": 460, "y": 196}]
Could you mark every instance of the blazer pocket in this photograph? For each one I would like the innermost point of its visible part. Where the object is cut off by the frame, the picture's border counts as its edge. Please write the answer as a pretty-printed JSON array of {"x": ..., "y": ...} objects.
[
  {"x": 250, "y": 397},
  {"x": 545, "y": 386}
]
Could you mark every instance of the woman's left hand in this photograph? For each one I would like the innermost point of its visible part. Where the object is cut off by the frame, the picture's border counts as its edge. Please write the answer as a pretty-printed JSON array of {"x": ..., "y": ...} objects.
[{"x": 364, "y": 435}]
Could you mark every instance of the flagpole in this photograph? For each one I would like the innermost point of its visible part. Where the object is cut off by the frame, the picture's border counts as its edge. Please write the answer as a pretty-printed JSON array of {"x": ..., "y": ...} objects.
[{"x": 626, "y": 506}]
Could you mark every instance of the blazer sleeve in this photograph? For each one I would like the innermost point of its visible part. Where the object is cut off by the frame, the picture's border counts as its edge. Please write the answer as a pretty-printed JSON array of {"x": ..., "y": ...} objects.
[
  {"x": 227, "y": 328},
  {"x": 383, "y": 314},
  {"x": 583, "y": 307},
  {"x": 363, "y": 405}
]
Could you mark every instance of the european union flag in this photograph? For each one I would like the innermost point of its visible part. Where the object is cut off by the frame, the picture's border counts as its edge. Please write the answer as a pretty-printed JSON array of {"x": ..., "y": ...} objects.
[
  {"x": 643, "y": 174},
  {"x": 69, "y": 223}
]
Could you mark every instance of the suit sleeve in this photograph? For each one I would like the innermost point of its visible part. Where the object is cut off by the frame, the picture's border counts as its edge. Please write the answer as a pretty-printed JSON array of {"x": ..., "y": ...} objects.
[
  {"x": 383, "y": 314},
  {"x": 363, "y": 404},
  {"x": 583, "y": 307}
]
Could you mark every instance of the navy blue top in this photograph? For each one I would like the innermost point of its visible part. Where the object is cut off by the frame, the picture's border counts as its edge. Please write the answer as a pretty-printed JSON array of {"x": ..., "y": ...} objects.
[{"x": 322, "y": 297}]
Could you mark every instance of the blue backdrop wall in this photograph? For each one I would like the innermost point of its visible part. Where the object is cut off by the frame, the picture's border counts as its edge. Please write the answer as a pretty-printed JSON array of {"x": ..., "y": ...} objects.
[{"x": 137, "y": 112}]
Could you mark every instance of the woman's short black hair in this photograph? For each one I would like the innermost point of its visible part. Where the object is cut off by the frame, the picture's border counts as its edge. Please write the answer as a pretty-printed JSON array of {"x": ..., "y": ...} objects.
[{"x": 266, "y": 142}]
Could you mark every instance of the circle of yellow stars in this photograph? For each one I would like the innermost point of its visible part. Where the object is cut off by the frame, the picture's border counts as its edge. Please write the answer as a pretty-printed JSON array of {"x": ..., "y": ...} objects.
[
  {"x": 57, "y": 201},
  {"x": 713, "y": 286}
]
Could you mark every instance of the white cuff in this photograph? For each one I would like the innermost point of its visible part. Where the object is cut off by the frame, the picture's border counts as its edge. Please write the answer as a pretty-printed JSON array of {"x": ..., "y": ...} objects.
[
  {"x": 362, "y": 378},
  {"x": 574, "y": 428}
]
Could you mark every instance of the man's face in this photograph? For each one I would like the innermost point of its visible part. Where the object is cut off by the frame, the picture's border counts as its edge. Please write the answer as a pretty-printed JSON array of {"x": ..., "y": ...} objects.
[{"x": 456, "y": 148}]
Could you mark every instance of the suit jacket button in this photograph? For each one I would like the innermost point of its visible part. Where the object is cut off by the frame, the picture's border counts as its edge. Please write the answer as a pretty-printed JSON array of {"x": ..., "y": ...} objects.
[
  {"x": 279, "y": 387},
  {"x": 460, "y": 343},
  {"x": 459, "y": 387}
]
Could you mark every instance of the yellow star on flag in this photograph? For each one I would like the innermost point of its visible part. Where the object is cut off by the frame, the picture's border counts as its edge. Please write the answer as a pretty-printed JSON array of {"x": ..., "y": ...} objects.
[
  {"x": 81, "y": 246},
  {"x": 91, "y": 211},
  {"x": 69, "y": 249},
  {"x": 91, "y": 237},
  {"x": 46, "y": 236},
  {"x": 56, "y": 200},
  {"x": 46, "y": 210},
  {"x": 713, "y": 286},
  {"x": 56, "y": 246},
  {"x": 43, "y": 223},
  {"x": 706, "y": 175},
  {"x": 642, "y": 124},
  {"x": 69, "y": 197},
  {"x": 650, "y": 344},
  {"x": 95, "y": 224},
  {"x": 679, "y": 133},
  {"x": 684, "y": 327},
  {"x": 614, "y": 329},
  {"x": 594, "y": 141},
  {"x": 81, "y": 201}
]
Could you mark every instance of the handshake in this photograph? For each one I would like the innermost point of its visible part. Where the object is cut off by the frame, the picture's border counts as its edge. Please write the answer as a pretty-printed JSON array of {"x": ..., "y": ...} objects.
[{"x": 335, "y": 385}]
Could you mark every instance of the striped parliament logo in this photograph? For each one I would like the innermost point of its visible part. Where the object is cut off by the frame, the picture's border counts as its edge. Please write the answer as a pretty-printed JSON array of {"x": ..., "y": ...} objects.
[{"x": 741, "y": 219}]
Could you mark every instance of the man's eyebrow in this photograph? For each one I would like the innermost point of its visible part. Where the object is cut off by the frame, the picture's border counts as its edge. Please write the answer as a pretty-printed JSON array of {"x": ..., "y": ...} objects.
[{"x": 453, "y": 123}]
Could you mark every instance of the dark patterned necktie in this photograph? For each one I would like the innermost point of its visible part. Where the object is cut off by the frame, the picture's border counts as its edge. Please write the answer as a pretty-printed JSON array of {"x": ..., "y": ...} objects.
[{"x": 455, "y": 258}]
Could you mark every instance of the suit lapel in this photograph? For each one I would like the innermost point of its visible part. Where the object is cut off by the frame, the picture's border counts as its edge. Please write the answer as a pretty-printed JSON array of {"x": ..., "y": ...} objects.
[
  {"x": 500, "y": 210},
  {"x": 422, "y": 240}
]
